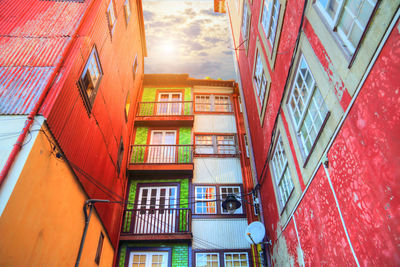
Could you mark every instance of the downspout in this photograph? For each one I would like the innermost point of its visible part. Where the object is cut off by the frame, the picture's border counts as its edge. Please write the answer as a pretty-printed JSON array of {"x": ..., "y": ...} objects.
[{"x": 28, "y": 123}]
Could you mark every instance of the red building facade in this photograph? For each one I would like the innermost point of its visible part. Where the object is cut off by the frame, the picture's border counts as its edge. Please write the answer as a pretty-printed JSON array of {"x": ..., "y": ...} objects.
[{"x": 318, "y": 81}]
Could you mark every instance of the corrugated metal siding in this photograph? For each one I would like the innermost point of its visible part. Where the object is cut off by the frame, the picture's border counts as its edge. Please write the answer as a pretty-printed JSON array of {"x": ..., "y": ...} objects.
[
  {"x": 33, "y": 36},
  {"x": 214, "y": 123},
  {"x": 217, "y": 170},
  {"x": 21, "y": 87},
  {"x": 219, "y": 234}
]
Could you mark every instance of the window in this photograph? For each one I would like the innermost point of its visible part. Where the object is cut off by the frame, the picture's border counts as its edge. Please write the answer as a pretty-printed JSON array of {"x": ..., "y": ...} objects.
[
  {"x": 127, "y": 106},
  {"x": 215, "y": 144},
  {"x": 112, "y": 19},
  {"x": 246, "y": 24},
  {"x": 222, "y": 258},
  {"x": 212, "y": 103},
  {"x": 148, "y": 259},
  {"x": 207, "y": 260},
  {"x": 120, "y": 155},
  {"x": 269, "y": 19},
  {"x": 169, "y": 103},
  {"x": 260, "y": 81},
  {"x": 207, "y": 196},
  {"x": 281, "y": 173},
  {"x": 230, "y": 190},
  {"x": 205, "y": 200},
  {"x": 99, "y": 249},
  {"x": 127, "y": 9},
  {"x": 307, "y": 107},
  {"x": 90, "y": 79},
  {"x": 235, "y": 259},
  {"x": 162, "y": 147},
  {"x": 348, "y": 18},
  {"x": 134, "y": 68},
  {"x": 246, "y": 143}
]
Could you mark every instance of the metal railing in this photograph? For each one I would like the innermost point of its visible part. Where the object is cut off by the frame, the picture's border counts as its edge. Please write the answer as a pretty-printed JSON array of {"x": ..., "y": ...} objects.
[
  {"x": 170, "y": 108},
  {"x": 212, "y": 107},
  {"x": 156, "y": 154},
  {"x": 157, "y": 221}
]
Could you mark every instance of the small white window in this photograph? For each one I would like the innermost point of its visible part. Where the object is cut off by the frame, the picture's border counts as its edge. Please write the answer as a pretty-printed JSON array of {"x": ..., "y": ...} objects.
[
  {"x": 127, "y": 9},
  {"x": 245, "y": 23},
  {"x": 215, "y": 144},
  {"x": 90, "y": 79},
  {"x": 205, "y": 200},
  {"x": 260, "y": 81},
  {"x": 230, "y": 190},
  {"x": 212, "y": 103},
  {"x": 236, "y": 259},
  {"x": 148, "y": 259},
  {"x": 307, "y": 107},
  {"x": 246, "y": 143},
  {"x": 269, "y": 20},
  {"x": 207, "y": 260},
  {"x": 111, "y": 16},
  {"x": 348, "y": 17},
  {"x": 281, "y": 173}
]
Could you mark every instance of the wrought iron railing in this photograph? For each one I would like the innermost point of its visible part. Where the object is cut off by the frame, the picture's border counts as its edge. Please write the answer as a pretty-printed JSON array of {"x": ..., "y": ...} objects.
[
  {"x": 156, "y": 154},
  {"x": 157, "y": 221},
  {"x": 170, "y": 108}
]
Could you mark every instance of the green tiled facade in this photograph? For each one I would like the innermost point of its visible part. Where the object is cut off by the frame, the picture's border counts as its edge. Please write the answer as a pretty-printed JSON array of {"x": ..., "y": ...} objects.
[
  {"x": 180, "y": 252},
  {"x": 149, "y": 93},
  {"x": 183, "y": 196}
]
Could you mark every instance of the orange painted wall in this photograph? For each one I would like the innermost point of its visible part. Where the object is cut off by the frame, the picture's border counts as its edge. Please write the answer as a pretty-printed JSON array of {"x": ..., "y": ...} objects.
[{"x": 43, "y": 221}]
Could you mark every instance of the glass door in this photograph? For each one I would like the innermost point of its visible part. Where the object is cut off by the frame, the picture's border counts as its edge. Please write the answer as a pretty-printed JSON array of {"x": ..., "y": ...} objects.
[
  {"x": 156, "y": 210},
  {"x": 162, "y": 146},
  {"x": 172, "y": 105}
]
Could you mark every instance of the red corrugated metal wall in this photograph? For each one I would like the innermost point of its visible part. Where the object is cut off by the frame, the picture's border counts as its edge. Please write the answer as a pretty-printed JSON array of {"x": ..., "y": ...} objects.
[{"x": 91, "y": 142}]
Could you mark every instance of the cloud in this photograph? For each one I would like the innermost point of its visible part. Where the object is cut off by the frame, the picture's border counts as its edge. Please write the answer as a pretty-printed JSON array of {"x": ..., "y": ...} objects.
[
  {"x": 210, "y": 12},
  {"x": 213, "y": 40},
  {"x": 148, "y": 15},
  {"x": 189, "y": 12},
  {"x": 193, "y": 29},
  {"x": 203, "y": 54}
]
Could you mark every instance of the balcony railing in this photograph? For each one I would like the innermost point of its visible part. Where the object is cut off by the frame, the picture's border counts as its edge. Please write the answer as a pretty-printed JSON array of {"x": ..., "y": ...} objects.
[
  {"x": 161, "y": 154},
  {"x": 157, "y": 221},
  {"x": 170, "y": 108}
]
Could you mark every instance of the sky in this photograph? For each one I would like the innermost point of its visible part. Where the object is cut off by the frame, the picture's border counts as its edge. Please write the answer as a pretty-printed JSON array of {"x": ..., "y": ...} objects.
[{"x": 187, "y": 37}]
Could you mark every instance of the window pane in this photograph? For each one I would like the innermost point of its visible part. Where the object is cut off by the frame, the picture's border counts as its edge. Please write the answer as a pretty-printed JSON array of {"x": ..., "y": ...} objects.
[{"x": 204, "y": 197}]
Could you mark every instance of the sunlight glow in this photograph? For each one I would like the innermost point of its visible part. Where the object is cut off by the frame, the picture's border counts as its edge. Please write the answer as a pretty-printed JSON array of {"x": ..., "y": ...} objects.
[{"x": 168, "y": 47}]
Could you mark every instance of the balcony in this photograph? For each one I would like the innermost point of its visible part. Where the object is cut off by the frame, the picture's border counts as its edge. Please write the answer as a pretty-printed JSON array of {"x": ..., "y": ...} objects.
[
  {"x": 176, "y": 159},
  {"x": 157, "y": 224},
  {"x": 168, "y": 113}
]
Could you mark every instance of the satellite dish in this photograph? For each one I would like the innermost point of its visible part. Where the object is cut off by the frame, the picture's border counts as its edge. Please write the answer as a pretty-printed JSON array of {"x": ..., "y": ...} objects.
[{"x": 255, "y": 232}]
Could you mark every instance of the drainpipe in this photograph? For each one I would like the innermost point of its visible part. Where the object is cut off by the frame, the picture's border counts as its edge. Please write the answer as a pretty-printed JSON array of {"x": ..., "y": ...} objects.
[
  {"x": 28, "y": 123},
  {"x": 88, "y": 204}
]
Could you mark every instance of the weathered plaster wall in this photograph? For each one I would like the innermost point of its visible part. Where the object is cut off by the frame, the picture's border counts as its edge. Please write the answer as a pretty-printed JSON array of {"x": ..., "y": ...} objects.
[{"x": 43, "y": 221}]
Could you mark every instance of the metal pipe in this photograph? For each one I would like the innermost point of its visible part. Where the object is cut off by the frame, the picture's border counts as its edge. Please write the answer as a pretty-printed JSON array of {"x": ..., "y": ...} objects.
[{"x": 88, "y": 204}]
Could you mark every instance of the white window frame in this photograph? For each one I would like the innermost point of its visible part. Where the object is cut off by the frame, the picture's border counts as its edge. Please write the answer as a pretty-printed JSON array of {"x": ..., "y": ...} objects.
[
  {"x": 270, "y": 20},
  {"x": 238, "y": 195},
  {"x": 205, "y": 254},
  {"x": 149, "y": 254},
  {"x": 209, "y": 103},
  {"x": 233, "y": 261},
  {"x": 246, "y": 143},
  {"x": 127, "y": 10},
  {"x": 216, "y": 145},
  {"x": 92, "y": 69},
  {"x": 246, "y": 20},
  {"x": 260, "y": 80},
  {"x": 199, "y": 199},
  {"x": 309, "y": 114},
  {"x": 341, "y": 9},
  {"x": 281, "y": 173},
  {"x": 111, "y": 16}
]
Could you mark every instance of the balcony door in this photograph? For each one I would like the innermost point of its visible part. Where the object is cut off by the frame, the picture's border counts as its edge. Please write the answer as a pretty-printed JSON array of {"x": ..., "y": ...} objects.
[
  {"x": 148, "y": 259},
  {"x": 156, "y": 210},
  {"x": 173, "y": 105},
  {"x": 162, "y": 146}
]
